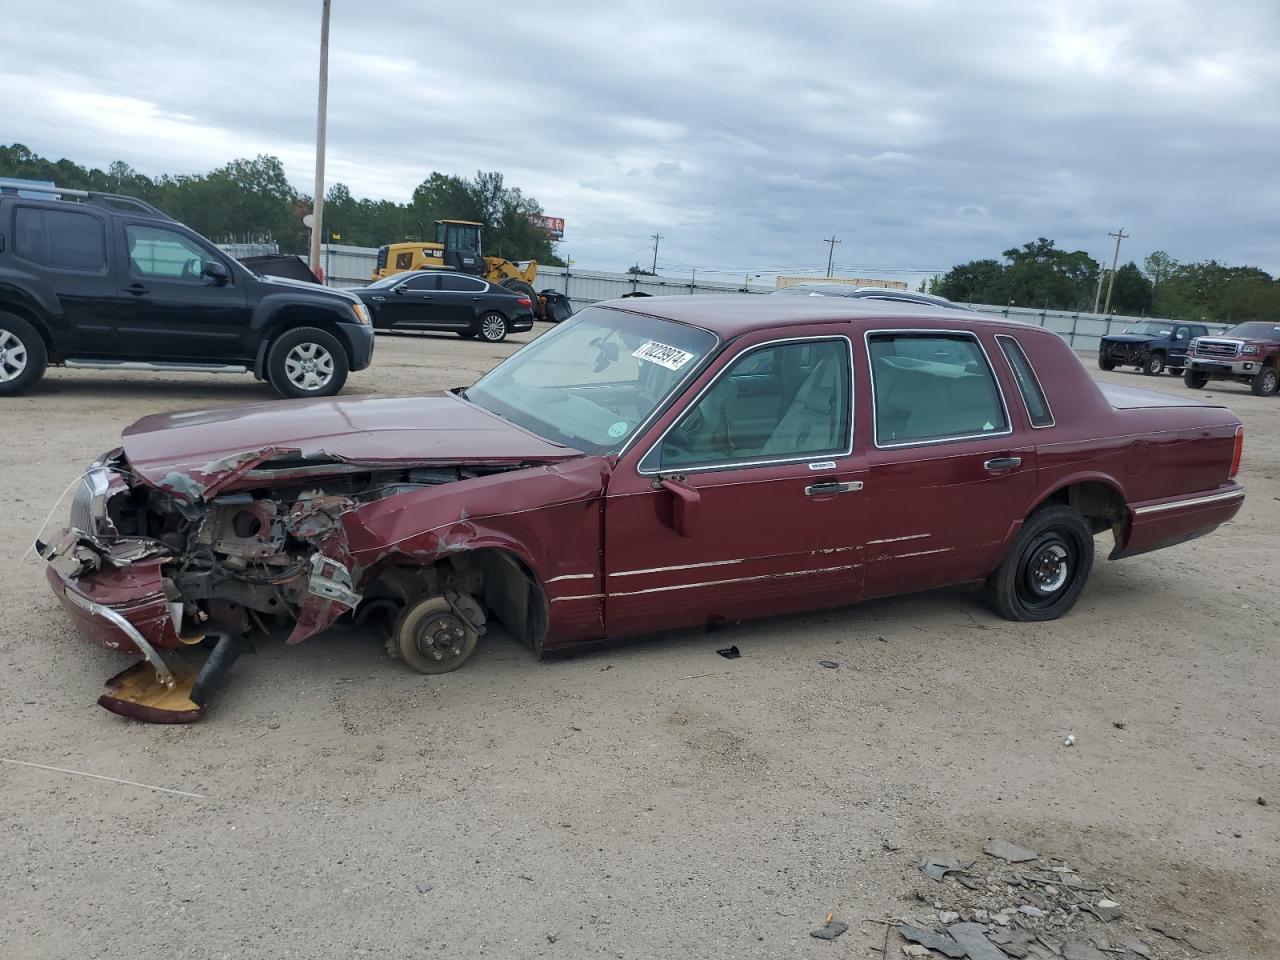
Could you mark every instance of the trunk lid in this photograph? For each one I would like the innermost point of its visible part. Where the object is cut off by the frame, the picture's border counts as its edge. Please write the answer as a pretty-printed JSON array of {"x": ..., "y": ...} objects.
[{"x": 1132, "y": 398}]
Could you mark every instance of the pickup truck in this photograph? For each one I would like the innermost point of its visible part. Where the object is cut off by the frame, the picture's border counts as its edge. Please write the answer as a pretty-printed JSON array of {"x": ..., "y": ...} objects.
[
  {"x": 108, "y": 282},
  {"x": 1247, "y": 353},
  {"x": 1152, "y": 347},
  {"x": 644, "y": 466}
]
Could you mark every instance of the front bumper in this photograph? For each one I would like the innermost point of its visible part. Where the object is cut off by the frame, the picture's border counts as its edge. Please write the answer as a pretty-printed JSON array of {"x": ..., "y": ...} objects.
[
  {"x": 1241, "y": 367},
  {"x": 134, "y": 594},
  {"x": 1125, "y": 354},
  {"x": 359, "y": 338}
]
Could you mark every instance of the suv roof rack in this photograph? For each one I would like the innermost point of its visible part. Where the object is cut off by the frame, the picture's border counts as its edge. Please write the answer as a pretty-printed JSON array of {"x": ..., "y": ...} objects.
[{"x": 10, "y": 187}]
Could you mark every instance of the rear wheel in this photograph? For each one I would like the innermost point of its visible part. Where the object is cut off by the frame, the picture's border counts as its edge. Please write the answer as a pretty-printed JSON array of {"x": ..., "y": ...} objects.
[
  {"x": 431, "y": 638},
  {"x": 1153, "y": 366},
  {"x": 1046, "y": 567},
  {"x": 1105, "y": 364},
  {"x": 306, "y": 362},
  {"x": 1193, "y": 379},
  {"x": 493, "y": 327},
  {"x": 22, "y": 355},
  {"x": 1265, "y": 383}
]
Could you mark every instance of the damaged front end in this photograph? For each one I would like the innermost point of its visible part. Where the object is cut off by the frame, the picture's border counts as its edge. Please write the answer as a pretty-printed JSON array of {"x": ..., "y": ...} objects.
[{"x": 206, "y": 561}]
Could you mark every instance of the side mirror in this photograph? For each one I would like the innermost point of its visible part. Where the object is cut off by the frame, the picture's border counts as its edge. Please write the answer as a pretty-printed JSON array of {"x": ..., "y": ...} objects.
[
  {"x": 686, "y": 507},
  {"x": 398, "y": 291},
  {"x": 216, "y": 272}
]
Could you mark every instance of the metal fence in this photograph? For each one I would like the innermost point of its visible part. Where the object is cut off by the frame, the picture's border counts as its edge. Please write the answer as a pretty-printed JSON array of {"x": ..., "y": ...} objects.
[{"x": 347, "y": 266}]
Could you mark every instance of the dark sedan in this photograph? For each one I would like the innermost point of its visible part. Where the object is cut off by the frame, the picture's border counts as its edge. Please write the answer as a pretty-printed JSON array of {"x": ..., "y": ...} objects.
[{"x": 442, "y": 300}]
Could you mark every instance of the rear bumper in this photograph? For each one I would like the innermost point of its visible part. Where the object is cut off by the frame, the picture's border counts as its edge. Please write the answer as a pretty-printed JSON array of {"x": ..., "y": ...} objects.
[
  {"x": 522, "y": 324},
  {"x": 1224, "y": 368},
  {"x": 1154, "y": 524},
  {"x": 359, "y": 339},
  {"x": 134, "y": 594}
]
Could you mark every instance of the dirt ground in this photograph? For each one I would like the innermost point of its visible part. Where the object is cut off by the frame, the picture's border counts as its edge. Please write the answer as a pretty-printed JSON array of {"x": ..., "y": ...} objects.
[{"x": 654, "y": 800}]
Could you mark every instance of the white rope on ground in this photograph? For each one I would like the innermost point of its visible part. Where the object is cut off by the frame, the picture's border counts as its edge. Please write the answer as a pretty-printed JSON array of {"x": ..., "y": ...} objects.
[{"x": 98, "y": 776}]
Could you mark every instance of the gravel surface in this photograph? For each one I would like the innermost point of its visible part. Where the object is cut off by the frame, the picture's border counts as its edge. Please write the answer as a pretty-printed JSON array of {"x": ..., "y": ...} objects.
[{"x": 653, "y": 800}]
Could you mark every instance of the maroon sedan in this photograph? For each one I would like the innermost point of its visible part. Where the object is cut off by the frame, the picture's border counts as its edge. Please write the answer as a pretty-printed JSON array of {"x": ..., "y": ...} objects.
[{"x": 644, "y": 466}]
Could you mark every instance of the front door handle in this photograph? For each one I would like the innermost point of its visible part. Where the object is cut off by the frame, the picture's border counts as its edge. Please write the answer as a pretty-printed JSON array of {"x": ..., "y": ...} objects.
[
  {"x": 997, "y": 464},
  {"x": 138, "y": 290},
  {"x": 831, "y": 488},
  {"x": 378, "y": 299}
]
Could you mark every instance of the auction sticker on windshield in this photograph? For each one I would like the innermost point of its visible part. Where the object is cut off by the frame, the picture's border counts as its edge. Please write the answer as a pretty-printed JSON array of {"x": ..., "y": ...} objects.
[{"x": 673, "y": 358}]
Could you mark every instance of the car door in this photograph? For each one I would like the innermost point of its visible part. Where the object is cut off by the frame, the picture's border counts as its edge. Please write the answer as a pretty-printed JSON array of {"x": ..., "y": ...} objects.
[
  {"x": 1180, "y": 340},
  {"x": 949, "y": 469},
  {"x": 462, "y": 300},
  {"x": 67, "y": 250},
  {"x": 410, "y": 304},
  {"x": 744, "y": 499},
  {"x": 167, "y": 308}
]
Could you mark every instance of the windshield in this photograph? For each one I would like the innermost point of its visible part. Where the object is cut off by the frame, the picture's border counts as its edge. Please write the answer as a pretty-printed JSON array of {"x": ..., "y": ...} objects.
[
  {"x": 592, "y": 380},
  {"x": 1152, "y": 330},
  {"x": 1258, "y": 330}
]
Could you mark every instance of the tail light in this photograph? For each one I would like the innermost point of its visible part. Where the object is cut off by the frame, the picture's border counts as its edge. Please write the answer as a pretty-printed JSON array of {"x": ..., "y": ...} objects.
[
  {"x": 525, "y": 302},
  {"x": 1235, "y": 455}
]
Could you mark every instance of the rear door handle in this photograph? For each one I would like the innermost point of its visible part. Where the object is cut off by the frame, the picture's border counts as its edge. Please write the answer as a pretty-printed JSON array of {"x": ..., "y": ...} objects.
[
  {"x": 138, "y": 290},
  {"x": 831, "y": 488},
  {"x": 996, "y": 464}
]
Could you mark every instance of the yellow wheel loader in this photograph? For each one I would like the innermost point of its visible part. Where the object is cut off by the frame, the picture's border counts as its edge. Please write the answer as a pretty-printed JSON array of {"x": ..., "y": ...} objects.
[{"x": 457, "y": 247}]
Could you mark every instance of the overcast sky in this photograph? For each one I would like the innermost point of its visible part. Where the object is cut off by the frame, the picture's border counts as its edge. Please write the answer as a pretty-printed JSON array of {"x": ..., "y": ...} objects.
[{"x": 922, "y": 133}]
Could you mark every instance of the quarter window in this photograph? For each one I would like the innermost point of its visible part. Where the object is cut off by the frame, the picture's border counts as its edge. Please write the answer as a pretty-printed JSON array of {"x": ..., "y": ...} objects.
[
  {"x": 163, "y": 254},
  {"x": 783, "y": 402},
  {"x": 62, "y": 239},
  {"x": 1028, "y": 383},
  {"x": 933, "y": 386}
]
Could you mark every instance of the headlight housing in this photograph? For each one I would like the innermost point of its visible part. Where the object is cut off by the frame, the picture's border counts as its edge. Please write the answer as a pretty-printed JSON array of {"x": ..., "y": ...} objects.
[
  {"x": 362, "y": 314},
  {"x": 1249, "y": 349}
]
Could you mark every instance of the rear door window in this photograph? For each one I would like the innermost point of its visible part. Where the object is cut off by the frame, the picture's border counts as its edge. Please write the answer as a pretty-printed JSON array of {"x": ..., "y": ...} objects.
[
  {"x": 452, "y": 281},
  {"x": 933, "y": 387},
  {"x": 62, "y": 239},
  {"x": 1028, "y": 383}
]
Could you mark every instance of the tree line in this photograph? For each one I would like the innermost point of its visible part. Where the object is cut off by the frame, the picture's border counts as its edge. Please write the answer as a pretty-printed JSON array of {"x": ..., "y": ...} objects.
[
  {"x": 253, "y": 200},
  {"x": 1042, "y": 275}
]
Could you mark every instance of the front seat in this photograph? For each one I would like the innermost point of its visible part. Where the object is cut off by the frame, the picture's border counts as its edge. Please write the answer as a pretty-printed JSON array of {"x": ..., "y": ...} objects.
[{"x": 810, "y": 424}]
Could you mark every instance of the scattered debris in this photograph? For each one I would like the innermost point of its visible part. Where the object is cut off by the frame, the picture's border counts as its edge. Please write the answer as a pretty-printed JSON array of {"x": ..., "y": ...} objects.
[
  {"x": 938, "y": 866},
  {"x": 934, "y": 941},
  {"x": 425, "y": 888},
  {"x": 829, "y": 664},
  {"x": 1031, "y": 911},
  {"x": 891, "y": 846},
  {"x": 1076, "y": 950},
  {"x": 948, "y": 916},
  {"x": 1004, "y": 850},
  {"x": 1262, "y": 801},
  {"x": 1070, "y": 741},
  {"x": 830, "y": 930},
  {"x": 730, "y": 653},
  {"x": 1118, "y": 724},
  {"x": 973, "y": 937}
]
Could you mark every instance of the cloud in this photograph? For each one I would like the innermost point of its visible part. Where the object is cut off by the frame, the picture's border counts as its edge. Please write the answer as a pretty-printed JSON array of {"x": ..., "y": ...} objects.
[{"x": 922, "y": 134}]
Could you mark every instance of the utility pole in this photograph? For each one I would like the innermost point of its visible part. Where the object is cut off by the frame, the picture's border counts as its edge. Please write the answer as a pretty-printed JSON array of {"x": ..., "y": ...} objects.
[
  {"x": 317, "y": 203},
  {"x": 831, "y": 252},
  {"x": 1111, "y": 281},
  {"x": 1097, "y": 295},
  {"x": 655, "y": 237}
]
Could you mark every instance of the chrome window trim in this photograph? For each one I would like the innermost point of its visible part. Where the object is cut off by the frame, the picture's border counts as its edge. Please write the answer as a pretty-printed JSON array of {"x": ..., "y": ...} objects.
[
  {"x": 736, "y": 464},
  {"x": 1053, "y": 421},
  {"x": 871, "y": 371}
]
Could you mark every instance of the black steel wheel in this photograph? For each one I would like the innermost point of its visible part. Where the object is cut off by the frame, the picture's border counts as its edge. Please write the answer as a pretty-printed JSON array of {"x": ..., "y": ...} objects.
[
  {"x": 1194, "y": 380},
  {"x": 1046, "y": 567},
  {"x": 431, "y": 637}
]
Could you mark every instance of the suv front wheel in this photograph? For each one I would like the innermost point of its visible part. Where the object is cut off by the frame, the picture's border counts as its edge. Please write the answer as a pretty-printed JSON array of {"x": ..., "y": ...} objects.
[
  {"x": 306, "y": 362},
  {"x": 22, "y": 355}
]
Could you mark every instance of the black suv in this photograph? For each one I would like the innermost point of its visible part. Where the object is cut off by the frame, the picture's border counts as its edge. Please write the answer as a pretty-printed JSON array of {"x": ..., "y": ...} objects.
[
  {"x": 1152, "y": 347},
  {"x": 110, "y": 282}
]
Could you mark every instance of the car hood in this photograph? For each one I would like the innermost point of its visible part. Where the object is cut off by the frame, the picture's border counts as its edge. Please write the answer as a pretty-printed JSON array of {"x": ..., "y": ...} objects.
[
  {"x": 332, "y": 293},
  {"x": 1129, "y": 338},
  {"x": 198, "y": 453}
]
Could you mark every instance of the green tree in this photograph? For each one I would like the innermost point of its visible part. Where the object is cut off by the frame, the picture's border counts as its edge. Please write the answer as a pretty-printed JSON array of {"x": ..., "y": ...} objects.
[{"x": 1132, "y": 292}]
